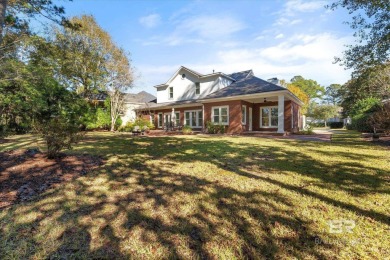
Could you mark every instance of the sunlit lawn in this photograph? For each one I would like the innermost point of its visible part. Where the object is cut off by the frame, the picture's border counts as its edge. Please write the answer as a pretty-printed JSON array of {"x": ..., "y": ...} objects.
[{"x": 210, "y": 197}]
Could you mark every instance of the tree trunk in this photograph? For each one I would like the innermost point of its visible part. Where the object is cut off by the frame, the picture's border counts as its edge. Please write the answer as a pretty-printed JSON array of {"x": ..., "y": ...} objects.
[
  {"x": 325, "y": 122},
  {"x": 3, "y": 7}
]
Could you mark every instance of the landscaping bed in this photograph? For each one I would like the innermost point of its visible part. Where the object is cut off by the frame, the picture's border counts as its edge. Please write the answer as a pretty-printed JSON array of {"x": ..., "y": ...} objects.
[{"x": 24, "y": 174}]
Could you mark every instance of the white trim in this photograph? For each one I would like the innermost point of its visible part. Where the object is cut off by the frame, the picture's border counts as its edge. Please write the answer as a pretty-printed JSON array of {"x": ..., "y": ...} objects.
[
  {"x": 197, "y": 94},
  {"x": 197, "y": 74},
  {"x": 243, "y": 122},
  {"x": 196, "y": 118},
  {"x": 258, "y": 95},
  {"x": 281, "y": 114},
  {"x": 220, "y": 115},
  {"x": 169, "y": 93},
  {"x": 269, "y": 117},
  {"x": 158, "y": 120},
  {"x": 177, "y": 117}
]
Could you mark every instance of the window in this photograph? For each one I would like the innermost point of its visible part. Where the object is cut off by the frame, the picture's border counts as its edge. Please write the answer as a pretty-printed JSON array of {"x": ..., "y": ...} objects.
[
  {"x": 269, "y": 117},
  {"x": 197, "y": 88},
  {"x": 220, "y": 115},
  {"x": 170, "y": 92},
  {"x": 243, "y": 115},
  {"x": 177, "y": 119},
  {"x": 160, "y": 120},
  {"x": 194, "y": 118}
]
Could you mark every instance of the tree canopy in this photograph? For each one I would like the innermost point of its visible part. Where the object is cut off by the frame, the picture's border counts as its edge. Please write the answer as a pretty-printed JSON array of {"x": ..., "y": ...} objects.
[
  {"x": 371, "y": 22},
  {"x": 309, "y": 86}
]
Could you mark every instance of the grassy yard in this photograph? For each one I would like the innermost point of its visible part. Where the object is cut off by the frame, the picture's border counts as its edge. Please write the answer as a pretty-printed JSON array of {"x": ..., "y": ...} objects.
[{"x": 210, "y": 197}]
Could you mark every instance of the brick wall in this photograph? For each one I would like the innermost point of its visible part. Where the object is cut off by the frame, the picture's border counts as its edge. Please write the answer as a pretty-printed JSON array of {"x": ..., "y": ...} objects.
[{"x": 235, "y": 125}]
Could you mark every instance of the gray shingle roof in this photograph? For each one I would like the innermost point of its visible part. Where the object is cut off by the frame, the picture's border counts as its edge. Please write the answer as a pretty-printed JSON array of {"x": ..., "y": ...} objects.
[
  {"x": 245, "y": 86},
  {"x": 241, "y": 75}
]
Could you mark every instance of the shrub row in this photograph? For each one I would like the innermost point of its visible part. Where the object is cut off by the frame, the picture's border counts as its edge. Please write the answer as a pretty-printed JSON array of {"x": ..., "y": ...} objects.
[{"x": 214, "y": 128}]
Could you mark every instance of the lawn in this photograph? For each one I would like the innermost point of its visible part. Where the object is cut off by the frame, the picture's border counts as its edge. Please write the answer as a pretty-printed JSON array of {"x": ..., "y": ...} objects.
[{"x": 210, "y": 197}]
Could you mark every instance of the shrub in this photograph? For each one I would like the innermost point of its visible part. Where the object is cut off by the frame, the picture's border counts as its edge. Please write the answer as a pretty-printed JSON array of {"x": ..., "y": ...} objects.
[
  {"x": 307, "y": 131},
  {"x": 59, "y": 133},
  {"x": 214, "y": 128},
  {"x": 187, "y": 129},
  {"x": 336, "y": 125},
  {"x": 141, "y": 122},
  {"x": 361, "y": 123}
]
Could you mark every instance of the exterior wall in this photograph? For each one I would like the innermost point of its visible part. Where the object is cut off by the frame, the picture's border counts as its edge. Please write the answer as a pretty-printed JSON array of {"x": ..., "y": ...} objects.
[
  {"x": 235, "y": 125},
  {"x": 184, "y": 89},
  {"x": 169, "y": 111},
  {"x": 129, "y": 113},
  {"x": 248, "y": 105},
  {"x": 291, "y": 115},
  {"x": 287, "y": 116}
]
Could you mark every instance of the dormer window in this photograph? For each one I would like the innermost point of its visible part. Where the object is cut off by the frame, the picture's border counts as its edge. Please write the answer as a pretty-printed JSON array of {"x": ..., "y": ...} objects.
[
  {"x": 170, "y": 92},
  {"x": 197, "y": 88}
]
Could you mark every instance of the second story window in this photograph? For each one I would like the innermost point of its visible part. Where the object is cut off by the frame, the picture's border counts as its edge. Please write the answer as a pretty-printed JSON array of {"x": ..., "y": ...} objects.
[
  {"x": 170, "y": 92},
  {"x": 197, "y": 88}
]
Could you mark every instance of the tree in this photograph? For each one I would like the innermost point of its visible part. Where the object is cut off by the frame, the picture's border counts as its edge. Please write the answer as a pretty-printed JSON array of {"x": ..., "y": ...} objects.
[
  {"x": 380, "y": 119},
  {"x": 323, "y": 112},
  {"x": 309, "y": 86},
  {"x": 3, "y": 7},
  {"x": 90, "y": 61},
  {"x": 120, "y": 78},
  {"x": 372, "y": 82},
  {"x": 297, "y": 91},
  {"x": 332, "y": 94},
  {"x": 371, "y": 22}
]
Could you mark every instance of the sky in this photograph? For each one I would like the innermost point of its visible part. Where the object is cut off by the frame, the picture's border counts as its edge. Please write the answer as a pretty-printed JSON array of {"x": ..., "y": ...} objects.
[{"x": 274, "y": 38}]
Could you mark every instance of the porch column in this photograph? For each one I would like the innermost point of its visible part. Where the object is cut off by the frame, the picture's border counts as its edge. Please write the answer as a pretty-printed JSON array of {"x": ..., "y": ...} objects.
[{"x": 281, "y": 114}]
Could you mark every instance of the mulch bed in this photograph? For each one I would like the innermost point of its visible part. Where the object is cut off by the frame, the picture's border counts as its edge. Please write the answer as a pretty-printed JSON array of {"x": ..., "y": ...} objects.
[{"x": 24, "y": 174}]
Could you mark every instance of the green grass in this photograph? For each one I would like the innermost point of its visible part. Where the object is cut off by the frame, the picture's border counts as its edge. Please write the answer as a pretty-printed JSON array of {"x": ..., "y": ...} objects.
[{"x": 209, "y": 197}]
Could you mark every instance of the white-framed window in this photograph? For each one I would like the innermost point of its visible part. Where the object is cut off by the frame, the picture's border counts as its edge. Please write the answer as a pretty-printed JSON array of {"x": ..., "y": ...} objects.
[
  {"x": 243, "y": 114},
  {"x": 170, "y": 93},
  {"x": 177, "y": 118},
  {"x": 197, "y": 88},
  {"x": 269, "y": 116},
  {"x": 160, "y": 120},
  {"x": 193, "y": 118},
  {"x": 220, "y": 115}
]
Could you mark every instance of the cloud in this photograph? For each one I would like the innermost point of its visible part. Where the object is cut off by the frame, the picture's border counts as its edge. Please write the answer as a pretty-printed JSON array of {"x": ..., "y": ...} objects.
[
  {"x": 283, "y": 21},
  {"x": 279, "y": 36},
  {"x": 201, "y": 29},
  {"x": 150, "y": 21},
  {"x": 291, "y": 7}
]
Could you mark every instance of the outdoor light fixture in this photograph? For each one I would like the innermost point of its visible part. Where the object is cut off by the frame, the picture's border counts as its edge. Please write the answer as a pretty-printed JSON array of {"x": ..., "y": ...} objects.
[{"x": 265, "y": 100}]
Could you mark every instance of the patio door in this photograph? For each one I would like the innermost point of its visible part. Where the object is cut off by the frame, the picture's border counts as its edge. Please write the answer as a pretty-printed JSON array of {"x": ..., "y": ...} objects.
[{"x": 250, "y": 119}]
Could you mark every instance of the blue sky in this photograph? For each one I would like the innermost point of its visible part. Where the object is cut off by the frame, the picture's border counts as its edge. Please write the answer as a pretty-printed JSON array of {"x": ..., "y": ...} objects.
[{"x": 274, "y": 38}]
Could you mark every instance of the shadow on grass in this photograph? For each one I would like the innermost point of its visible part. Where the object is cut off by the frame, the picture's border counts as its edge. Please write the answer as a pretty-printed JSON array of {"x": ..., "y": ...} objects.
[{"x": 145, "y": 204}]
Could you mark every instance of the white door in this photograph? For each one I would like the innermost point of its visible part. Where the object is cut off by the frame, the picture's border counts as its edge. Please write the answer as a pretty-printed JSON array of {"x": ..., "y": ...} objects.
[{"x": 250, "y": 119}]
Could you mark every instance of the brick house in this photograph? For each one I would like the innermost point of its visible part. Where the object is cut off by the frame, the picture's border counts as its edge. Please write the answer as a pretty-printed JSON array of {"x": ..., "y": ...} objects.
[{"x": 240, "y": 101}]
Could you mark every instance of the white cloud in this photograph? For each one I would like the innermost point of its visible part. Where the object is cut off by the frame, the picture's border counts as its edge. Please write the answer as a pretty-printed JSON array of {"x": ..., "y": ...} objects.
[
  {"x": 201, "y": 29},
  {"x": 279, "y": 36},
  {"x": 283, "y": 21},
  {"x": 293, "y": 6},
  {"x": 150, "y": 21}
]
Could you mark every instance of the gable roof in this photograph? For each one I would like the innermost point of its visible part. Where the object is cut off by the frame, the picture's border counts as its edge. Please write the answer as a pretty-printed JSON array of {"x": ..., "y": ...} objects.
[
  {"x": 245, "y": 86},
  {"x": 197, "y": 74},
  {"x": 141, "y": 97}
]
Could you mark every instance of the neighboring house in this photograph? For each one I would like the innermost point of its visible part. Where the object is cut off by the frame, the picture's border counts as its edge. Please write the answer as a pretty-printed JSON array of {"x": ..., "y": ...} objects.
[
  {"x": 131, "y": 102},
  {"x": 240, "y": 101}
]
